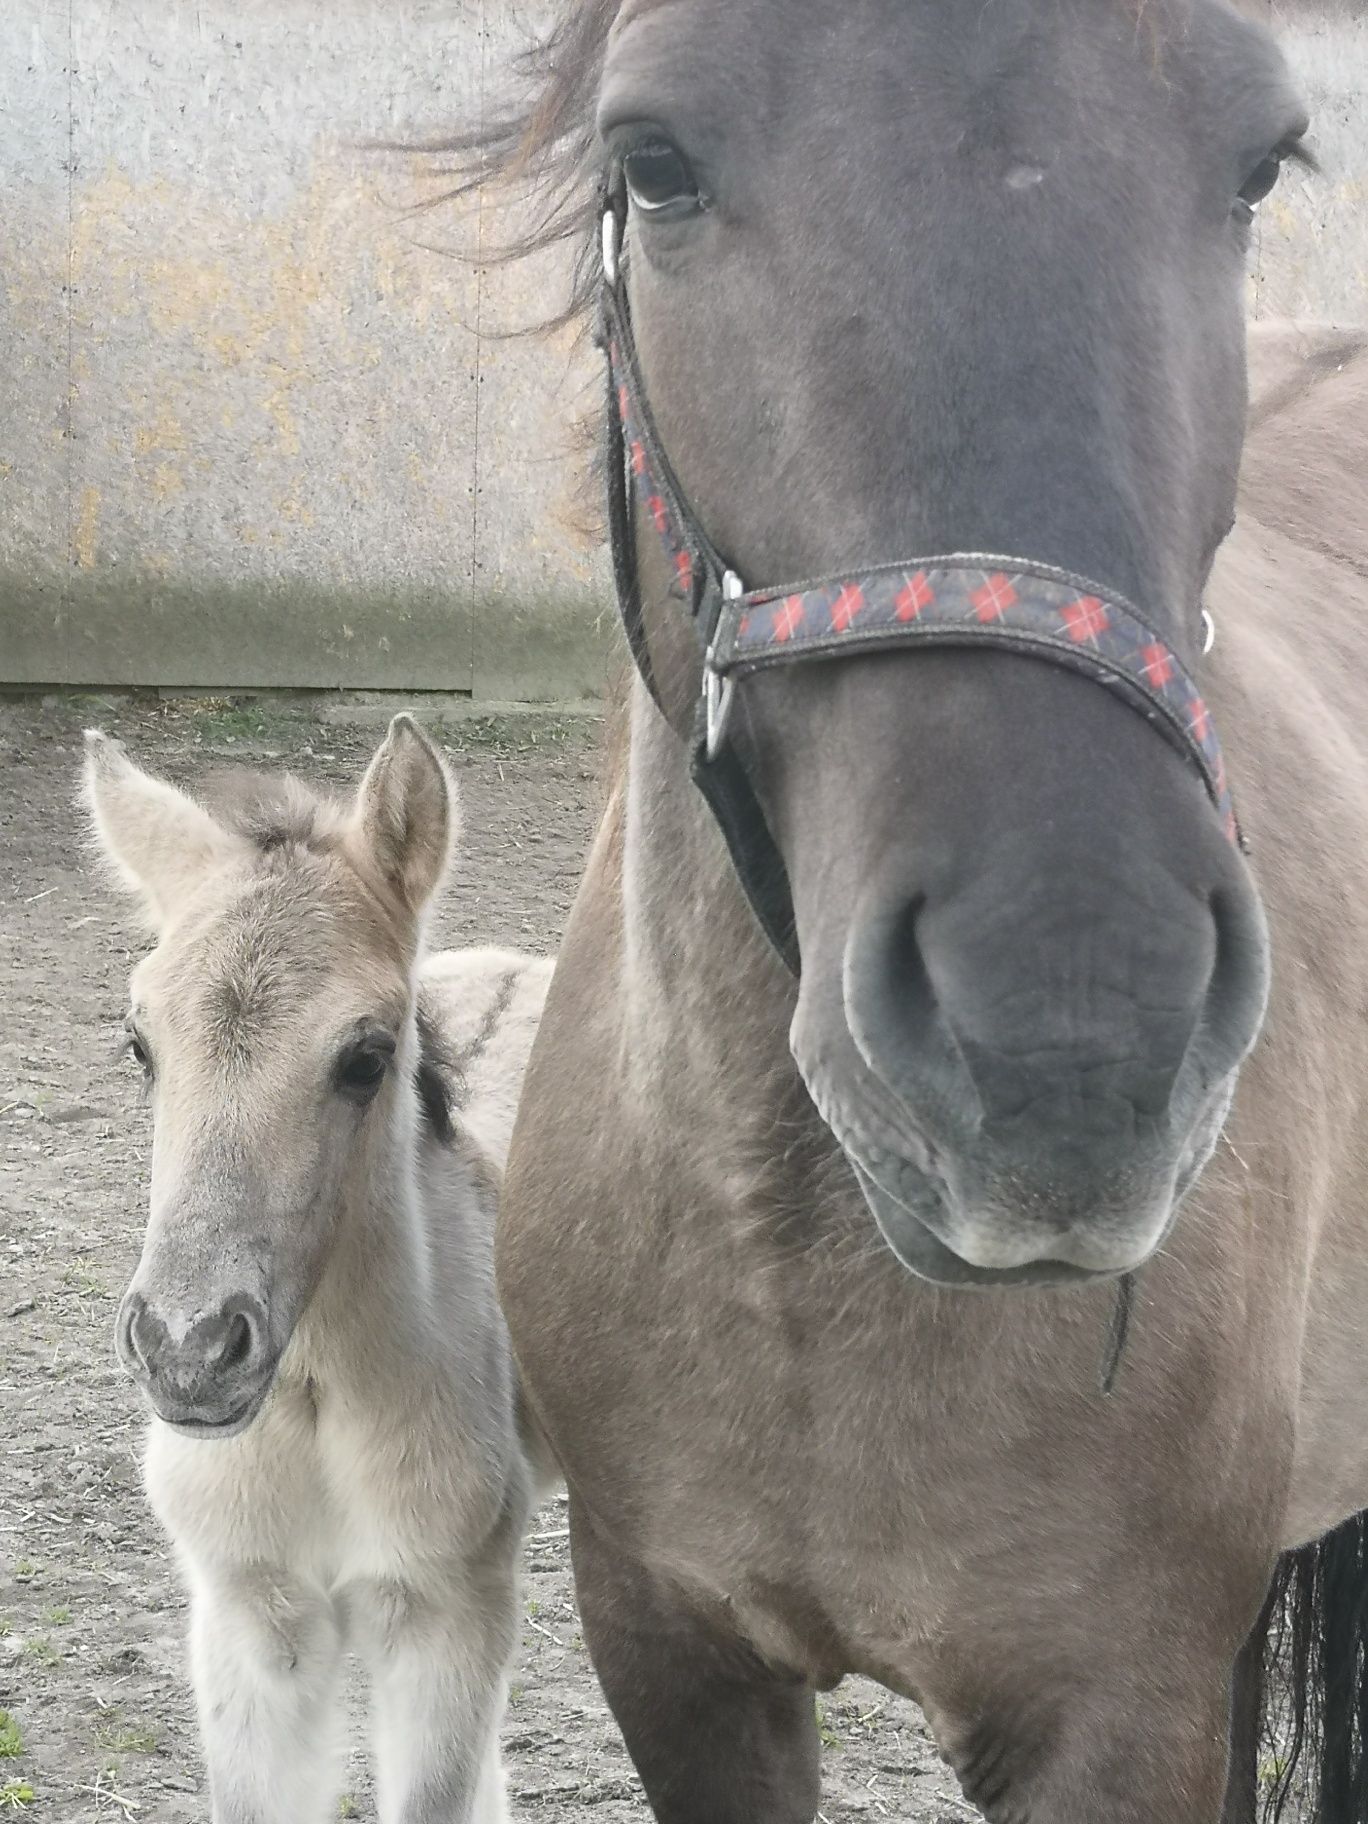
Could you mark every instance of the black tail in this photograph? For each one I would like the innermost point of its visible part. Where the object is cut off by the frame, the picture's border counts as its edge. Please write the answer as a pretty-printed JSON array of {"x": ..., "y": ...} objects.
[{"x": 1314, "y": 1749}]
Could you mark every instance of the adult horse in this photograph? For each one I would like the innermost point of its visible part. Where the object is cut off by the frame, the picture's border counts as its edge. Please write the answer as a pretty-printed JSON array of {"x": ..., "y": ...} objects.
[{"x": 814, "y": 1222}]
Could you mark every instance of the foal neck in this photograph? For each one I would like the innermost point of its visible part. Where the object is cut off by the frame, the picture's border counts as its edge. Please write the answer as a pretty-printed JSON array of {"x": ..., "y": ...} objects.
[{"x": 378, "y": 1287}]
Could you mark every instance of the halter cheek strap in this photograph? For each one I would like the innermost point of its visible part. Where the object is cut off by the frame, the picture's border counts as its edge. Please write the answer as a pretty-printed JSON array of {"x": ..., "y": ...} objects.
[{"x": 962, "y": 600}]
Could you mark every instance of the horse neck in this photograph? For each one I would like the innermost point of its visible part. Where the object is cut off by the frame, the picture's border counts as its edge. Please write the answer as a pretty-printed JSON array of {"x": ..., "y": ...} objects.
[
  {"x": 726, "y": 1122},
  {"x": 706, "y": 994}
]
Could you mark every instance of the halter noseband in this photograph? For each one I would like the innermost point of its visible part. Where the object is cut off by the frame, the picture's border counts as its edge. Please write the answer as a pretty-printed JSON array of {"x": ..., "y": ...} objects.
[{"x": 962, "y": 600}]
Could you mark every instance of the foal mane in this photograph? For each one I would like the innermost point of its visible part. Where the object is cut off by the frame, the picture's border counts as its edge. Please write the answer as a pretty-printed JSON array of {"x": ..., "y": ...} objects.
[{"x": 435, "y": 1076}]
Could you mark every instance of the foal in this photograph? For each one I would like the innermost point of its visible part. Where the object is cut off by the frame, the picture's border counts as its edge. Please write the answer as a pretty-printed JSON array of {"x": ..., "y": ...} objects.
[{"x": 335, "y": 1447}]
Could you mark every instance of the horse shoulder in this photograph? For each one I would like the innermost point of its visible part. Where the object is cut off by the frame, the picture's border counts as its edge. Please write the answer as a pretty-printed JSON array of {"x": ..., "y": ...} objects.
[{"x": 1307, "y": 450}]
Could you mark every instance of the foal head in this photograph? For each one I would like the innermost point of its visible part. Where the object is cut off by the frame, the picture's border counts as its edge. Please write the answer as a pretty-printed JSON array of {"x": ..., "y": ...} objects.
[
  {"x": 917, "y": 277},
  {"x": 274, "y": 1022}
]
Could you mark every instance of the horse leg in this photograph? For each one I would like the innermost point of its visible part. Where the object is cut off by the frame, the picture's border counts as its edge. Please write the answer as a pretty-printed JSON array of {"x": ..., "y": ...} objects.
[
  {"x": 717, "y": 1737},
  {"x": 438, "y": 1660},
  {"x": 1138, "y": 1742},
  {"x": 266, "y": 1655}
]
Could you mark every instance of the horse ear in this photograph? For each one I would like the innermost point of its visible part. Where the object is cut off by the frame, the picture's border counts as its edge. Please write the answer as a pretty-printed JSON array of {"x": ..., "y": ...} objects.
[
  {"x": 407, "y": 813},
  {"x": 159, "y": 841}
]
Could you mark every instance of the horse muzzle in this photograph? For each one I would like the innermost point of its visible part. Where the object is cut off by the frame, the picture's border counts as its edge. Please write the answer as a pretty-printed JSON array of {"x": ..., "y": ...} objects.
[{"x": 1004, "y": 1132}]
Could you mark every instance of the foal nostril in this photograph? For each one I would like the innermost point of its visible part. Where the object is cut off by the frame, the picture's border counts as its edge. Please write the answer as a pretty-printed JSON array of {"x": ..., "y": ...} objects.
[
  {"x": 138, "y": 1336},
  {"x": 234, "y": 1346},
  {"x": 215, "y": 1357},
  {"x": 237, "y": 1345}
]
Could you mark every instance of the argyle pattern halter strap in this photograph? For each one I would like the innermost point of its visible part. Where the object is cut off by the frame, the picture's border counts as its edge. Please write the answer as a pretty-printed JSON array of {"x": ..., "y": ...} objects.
[
  {"x": 959, "y": 600},
  {"x": 966, "y": 601}
]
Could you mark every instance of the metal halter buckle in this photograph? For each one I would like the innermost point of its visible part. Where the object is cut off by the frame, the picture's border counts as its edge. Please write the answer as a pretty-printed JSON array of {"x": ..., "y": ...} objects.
[
  {"x": 1208, "y": 632},
  {"x": 610, "y": 246},
  {"x": 717, "y": 689}
]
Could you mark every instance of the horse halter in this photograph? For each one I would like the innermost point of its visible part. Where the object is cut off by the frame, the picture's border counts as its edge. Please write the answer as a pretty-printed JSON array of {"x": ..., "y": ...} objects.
[{"x": 964, "y": 600}]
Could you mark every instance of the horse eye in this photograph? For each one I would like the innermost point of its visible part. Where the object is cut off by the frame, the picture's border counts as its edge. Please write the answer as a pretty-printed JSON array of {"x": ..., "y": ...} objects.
[
  {"x": 361, "y": 1071},
  {"x": 1261, "y": 182},
  {"x": 658, "y": 178}
]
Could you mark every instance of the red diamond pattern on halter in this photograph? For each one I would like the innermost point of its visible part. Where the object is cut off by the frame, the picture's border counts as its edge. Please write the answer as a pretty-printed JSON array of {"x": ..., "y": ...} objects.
[
  {"x": 1156, "y": 662},
  {"x": 1084, "y": 620},
  {"x": 788, "y": 617},
  {"x": 915, "y": 595},
  {"x": 993, "y": 600},
  {"x": 1031, "y": 607},
  {"x": 846, "y": 606}
]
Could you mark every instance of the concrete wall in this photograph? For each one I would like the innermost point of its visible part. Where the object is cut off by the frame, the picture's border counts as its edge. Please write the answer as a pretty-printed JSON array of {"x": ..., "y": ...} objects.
[
  {"x": 258, "y": 431},
  {"x": 1312, "y": 252}
]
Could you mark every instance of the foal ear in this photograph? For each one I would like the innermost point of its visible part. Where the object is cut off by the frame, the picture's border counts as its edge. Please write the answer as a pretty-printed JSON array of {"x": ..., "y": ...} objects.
[
  {"x": 406, "y": 813},
  {"x": 159, "y": 840}
]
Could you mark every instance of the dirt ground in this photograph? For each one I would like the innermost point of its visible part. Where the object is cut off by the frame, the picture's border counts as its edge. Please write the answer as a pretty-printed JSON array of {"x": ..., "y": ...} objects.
[{"x": 100, "y": 1723}]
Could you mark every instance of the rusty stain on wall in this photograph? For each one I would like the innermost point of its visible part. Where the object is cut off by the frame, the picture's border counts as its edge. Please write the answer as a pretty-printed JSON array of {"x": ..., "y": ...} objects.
[{"x": 83, "y": 542}]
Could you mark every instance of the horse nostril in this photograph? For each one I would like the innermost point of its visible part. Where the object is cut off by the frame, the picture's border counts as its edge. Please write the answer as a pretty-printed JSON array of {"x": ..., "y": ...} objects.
[
  {"x": 895, "y": 1013},
  {"x": 1238, "y": 989}
]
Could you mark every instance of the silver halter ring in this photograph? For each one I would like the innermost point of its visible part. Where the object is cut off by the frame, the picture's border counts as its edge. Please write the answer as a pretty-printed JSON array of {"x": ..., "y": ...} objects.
[{"x": 718, "y": 691}]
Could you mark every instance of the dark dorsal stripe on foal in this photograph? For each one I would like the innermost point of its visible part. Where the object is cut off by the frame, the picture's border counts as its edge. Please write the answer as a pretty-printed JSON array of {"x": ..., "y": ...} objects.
[{"x": 462, "y": 1061}]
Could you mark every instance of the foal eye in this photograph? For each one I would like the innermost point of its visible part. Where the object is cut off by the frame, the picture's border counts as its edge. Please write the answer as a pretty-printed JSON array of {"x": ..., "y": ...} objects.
[
  {"x": 1262, "y": 181},
  {"x": 659, "y": 179},
  {"x": 137, "y": 1050},
  {"x": 360, "y": 1072}
]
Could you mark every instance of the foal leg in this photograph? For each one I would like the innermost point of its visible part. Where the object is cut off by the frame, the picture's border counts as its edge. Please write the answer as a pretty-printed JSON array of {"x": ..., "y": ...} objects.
[
  {"x": 716, "y": 1737},
  {"x": 438, "y": 1660},
  {"x": 266, "y": 1655}
]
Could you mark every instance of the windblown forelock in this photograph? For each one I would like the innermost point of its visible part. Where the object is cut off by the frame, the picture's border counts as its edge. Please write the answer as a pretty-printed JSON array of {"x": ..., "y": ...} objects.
[{"x": 544, "y": 145}]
